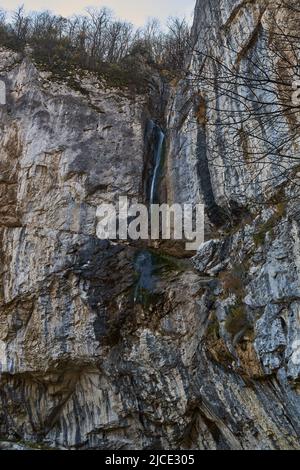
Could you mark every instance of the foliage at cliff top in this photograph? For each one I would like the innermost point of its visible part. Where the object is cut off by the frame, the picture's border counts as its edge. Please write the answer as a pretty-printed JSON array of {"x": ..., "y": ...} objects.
[{"x": 98, "y": 42}]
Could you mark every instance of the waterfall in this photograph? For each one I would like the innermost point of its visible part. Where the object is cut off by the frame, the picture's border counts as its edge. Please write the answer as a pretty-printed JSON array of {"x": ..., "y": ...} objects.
[
  {"x": 154, "y": 141},
  {"x": 144, "y": 268},
  {"x": 159, "y": 138}
]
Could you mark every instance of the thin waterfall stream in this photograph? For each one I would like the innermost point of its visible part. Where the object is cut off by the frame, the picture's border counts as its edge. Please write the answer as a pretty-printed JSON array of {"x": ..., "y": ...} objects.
[
  {"x": 158, "y": 155},
  {"x": 144, "y": 268},
  {"x": 144, "y": 261}
]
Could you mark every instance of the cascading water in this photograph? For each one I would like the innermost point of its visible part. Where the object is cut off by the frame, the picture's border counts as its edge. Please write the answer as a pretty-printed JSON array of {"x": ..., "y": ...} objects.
[
  {"x": 158, "y": 138},
  {"x": 144, "y": 263},
  {"x": 144, "y": 268}
]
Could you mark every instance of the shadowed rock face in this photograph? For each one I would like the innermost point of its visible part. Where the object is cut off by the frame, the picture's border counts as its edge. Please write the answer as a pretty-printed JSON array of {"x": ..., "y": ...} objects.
[{"x": 118, "y": 347}]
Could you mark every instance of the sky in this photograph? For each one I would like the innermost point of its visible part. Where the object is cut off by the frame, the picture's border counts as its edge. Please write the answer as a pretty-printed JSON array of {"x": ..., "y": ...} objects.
[{"x": 136, "y": 11}]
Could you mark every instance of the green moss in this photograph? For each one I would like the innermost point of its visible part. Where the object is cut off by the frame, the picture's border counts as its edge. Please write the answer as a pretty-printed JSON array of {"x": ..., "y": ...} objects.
[
  {"x": 33, "y": 445},
  {"x": 161, "y": 265},
  {"x": 115, "y": 75},
  {"x": 146, "y": 298},
  {"x": 237, "y": 320},
  {"x": 213, "y": 327},
  {"x": 259, "y": 238},
  {"x": 166, "y": 263},
  {"x": 73, "y": 83},
  {"x": 118, "y": 76},
  {"x": 233, "y": 281}
]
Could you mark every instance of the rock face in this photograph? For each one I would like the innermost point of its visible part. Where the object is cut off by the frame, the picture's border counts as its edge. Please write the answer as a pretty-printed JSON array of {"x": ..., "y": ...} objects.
[{"x": 111, "y": 346}]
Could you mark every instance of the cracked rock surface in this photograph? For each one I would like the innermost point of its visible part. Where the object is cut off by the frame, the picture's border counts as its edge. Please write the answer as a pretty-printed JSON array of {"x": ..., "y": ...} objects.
[{"x": 195, "y": 354}]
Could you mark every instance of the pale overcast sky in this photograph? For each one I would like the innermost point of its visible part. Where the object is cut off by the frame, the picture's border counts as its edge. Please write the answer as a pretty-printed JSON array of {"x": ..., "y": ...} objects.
[{"x": 136, "y": 11}]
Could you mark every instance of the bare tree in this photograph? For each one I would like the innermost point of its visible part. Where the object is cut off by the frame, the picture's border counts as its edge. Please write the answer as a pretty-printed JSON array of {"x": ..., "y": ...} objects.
[
  {"x": 20, "y": 24},
  {"x": 245, "y": 103},
  {"x": 95, "y": 39},
  {"x": 177, "y": 43},
  {"x": 119, "y": 40},
  {"x": 97, "y": 31}
]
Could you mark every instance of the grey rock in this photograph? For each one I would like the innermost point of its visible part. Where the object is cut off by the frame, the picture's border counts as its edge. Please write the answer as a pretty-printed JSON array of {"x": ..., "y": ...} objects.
[{"x": 206, "y": 356}]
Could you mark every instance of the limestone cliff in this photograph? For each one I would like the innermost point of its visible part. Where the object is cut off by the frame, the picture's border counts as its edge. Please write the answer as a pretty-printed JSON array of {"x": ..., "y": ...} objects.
[{"x": 113, "y": 346}]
